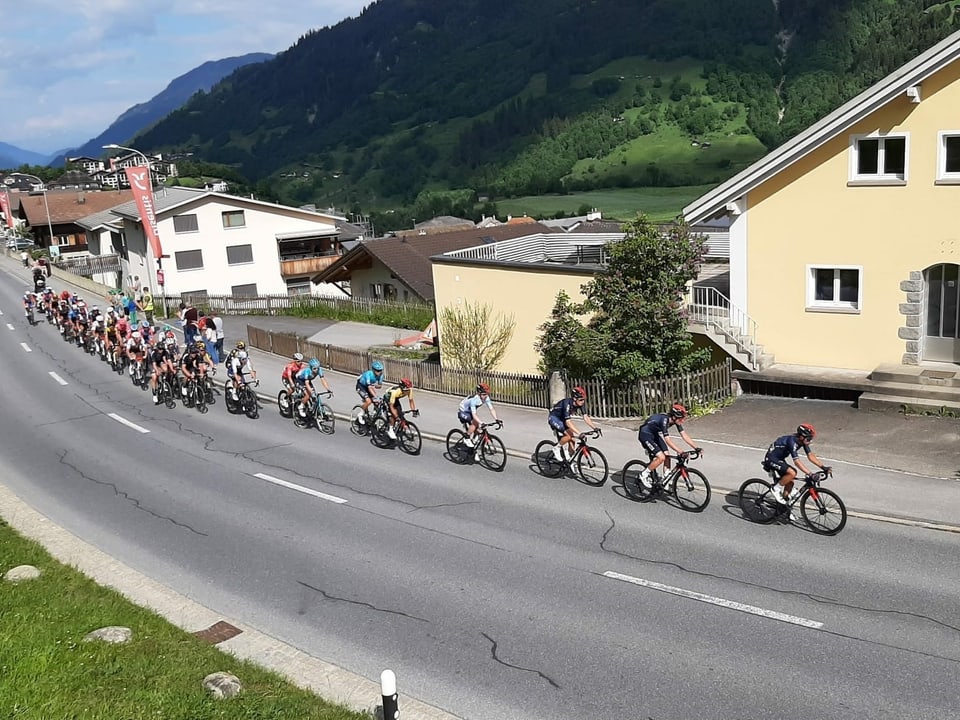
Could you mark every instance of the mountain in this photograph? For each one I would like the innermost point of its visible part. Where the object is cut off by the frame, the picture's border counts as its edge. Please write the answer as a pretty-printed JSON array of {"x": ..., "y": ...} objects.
[
  {"x": 178, "y": 92},
  {"x": 514, "y": 97},
  {"x": 13, "y": 157}
]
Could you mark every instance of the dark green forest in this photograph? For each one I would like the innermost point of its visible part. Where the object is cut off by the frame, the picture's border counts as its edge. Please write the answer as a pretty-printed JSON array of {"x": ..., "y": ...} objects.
[{"x": 517, "y": 97}]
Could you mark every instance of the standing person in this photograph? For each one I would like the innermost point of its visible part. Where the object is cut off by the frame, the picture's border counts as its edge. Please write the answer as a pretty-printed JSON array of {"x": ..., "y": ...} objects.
[
  {"x": 218, "y": 329},
  {"x": 654, "y": 435},
  {"x": 25, "y": 258},
  {"x": 209, "y": 336},
  {"x": 130, "y": 307},
  {"x": 146, "y": 302},
  {"x": 189, "y": 316}
]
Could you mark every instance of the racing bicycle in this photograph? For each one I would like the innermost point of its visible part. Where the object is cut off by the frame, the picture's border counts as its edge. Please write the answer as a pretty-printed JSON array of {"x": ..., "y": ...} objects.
[
  {"x": 318, "y": 414},
  {"x": 487, "y": 449},
  {"x": 407, "y": 434},
  {"x": 688, "y": 486},
  {"x": 822, "y": 510},
  {"x": 589, "y": 463}
]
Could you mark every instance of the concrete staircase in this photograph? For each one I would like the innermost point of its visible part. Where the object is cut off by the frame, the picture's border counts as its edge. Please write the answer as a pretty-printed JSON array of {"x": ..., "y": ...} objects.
[
  {"x": 931, "y": 387},
  {"x": 712, "y": 314}
]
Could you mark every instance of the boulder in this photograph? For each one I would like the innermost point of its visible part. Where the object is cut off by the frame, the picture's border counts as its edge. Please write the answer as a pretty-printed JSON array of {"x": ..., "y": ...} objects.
[
  {"x": 222, "y": 684},
  {"x": 22, "y": 572},
  {"x": 113, "y": 634}
]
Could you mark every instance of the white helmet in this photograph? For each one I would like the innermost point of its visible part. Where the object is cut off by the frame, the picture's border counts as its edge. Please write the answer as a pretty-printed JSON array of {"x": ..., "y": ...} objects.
[
  {"x": 135, "y": 334},
  {"x": 100, "y": 318}
]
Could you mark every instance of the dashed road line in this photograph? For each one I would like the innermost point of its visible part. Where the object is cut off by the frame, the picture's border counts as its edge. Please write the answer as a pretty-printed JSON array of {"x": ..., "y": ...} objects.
[
  {"x": 299, "y": 488},
  {"x": 124, "y": 421},
  {"x": 26, "y": 347},
  {"x": 10, "y": 326},
  {"x": 721, "y": 602},
  {"x": 58, "y": 378}
]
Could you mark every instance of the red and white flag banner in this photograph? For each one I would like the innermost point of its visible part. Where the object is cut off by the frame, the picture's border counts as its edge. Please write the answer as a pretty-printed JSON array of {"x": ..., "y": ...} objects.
[
  {"x": 139, "y": 179},
  {"x": 5, "y": 206}
]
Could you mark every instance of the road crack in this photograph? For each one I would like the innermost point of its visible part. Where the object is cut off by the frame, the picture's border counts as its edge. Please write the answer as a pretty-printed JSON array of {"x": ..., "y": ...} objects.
[
  {"x": 334, "y": 598},
  {"x": 494, "y": 647}
]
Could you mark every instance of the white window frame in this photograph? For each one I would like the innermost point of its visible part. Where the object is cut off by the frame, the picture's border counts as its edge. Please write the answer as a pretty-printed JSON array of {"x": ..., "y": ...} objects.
[
  {"x": 944, "y": 177},
  {"x": 880, "y": 178},
  {"x": 233, "y": 214},
  {"x": 833, "y": 306}
]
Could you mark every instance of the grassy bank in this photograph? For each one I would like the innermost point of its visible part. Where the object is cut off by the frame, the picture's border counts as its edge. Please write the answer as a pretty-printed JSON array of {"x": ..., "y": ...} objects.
[{"x": 47, "y": 671}]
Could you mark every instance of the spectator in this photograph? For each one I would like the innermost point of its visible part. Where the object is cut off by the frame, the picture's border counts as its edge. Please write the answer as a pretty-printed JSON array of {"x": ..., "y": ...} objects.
[
  {"x": 146, "y": 303},
  {"x": 130, "y": 307},
  {"x": 25, "y": 257},
  {"x": 218, "y": 327},
  {"x": 189, "y": 317}
]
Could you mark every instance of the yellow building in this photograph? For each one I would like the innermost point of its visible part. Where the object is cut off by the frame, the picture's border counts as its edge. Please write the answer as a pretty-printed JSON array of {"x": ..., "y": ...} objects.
[{"x": 845, "y": 241}]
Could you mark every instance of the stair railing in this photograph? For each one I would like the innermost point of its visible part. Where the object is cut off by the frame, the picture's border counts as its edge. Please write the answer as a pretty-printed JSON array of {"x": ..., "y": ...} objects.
[{"x": 714, "y": 309}]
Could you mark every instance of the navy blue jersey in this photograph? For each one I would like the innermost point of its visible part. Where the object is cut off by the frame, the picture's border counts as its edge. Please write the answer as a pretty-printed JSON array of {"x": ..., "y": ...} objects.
[
  {"x": 658, "y": 425},
  {"x": 565, "y": 409},
  {"x": 786, "y": 446}
]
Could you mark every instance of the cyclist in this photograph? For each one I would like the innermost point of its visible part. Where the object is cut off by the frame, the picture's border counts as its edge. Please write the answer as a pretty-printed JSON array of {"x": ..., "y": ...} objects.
[
  {"x": 561, "y": 422},
  {"x": 467, "y": 412},
  {"x": 304, "y": 380},
  {"x": 236, "y": 368},
  {"x": 788, "y": 446},
  {"x": 290, "y": 370},
  {"x": 193, "y": 364},
  {"x": 654, "y": 436},
  {"x": 162, "y": 362},
  {"x": 29, "y": 302},
  {"x": 403, "y": 389},
  {"x": 372, "y": 378},
  {"x": 135, "y": 349}
]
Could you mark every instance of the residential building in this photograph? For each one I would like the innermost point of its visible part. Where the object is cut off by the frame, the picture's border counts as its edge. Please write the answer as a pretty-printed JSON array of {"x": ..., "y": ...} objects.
[
  {"x": 399, "y": 268},
  {"x": 89, "y": 165},
  {"x": 58, "y": 211}
]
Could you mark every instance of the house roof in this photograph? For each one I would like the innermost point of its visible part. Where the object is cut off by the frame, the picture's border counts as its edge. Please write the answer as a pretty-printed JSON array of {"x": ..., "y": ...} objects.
[
  {"x": 407, "y": 256},
  {"x": 170, "y": 199},
  {"x": 444, "y": 223},
  {"x": 98, "y": 220},
  {"x": 894, "y": 85},
  {"x": 68, "y": 206}
]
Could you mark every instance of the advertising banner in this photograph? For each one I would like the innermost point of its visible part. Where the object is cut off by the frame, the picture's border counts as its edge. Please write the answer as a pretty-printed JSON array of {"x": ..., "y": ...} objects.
[{"x": 139, "y": 178}]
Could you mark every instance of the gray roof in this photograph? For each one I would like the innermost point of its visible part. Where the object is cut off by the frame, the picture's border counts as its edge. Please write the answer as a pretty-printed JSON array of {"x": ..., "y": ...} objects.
[{"x": 98, "y": 219}]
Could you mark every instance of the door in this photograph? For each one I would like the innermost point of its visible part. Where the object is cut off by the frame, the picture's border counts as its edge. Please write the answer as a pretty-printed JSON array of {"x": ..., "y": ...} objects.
[{"x": 941, "y": 342}]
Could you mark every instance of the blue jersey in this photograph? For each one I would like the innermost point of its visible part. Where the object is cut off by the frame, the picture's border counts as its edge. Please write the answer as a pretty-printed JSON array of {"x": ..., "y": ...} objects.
[
  {"x": 369, "y": 378},
  {"x": 565, "y": 409},
  {"x": 307, "y": 374},
  {"x": 470, "y": 404},
  {"x": 784, "y": 446},
  {"x": 657, "y": 425}
]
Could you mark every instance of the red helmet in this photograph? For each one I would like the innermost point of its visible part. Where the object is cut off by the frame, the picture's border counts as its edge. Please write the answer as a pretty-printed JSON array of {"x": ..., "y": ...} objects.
[
  {"x": 483, "y": 389},
  {"x": 678, "y": 411},
  {"x": 406, "y": 383},
  {"x": 579, "y": 393},
  {"x": 806, "y": 431}
]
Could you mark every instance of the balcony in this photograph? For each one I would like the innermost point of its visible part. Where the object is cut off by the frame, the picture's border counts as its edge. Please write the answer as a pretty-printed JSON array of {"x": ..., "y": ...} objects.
[{"x": 309, "y": 266}]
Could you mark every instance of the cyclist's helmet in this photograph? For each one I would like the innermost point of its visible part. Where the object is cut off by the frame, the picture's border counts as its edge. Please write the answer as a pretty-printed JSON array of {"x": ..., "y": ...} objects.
[
  {"x": 241, "y": 345},
  {"x": 170, "y": 335},
  {"x": 678, "y": 411},
  {"x": 200, "y": 345},
  {"x": 376, "y": 366},
  {"x": 144, "y": 323},
  {"x": 314, "y": 364},
  {"x": 135, "y": 334},
  {"x": 483, "y": 389},
  {"x": 406, "y": 383},
  {"x": 806, "y": 431},
  {"x": 579, "y": 393},
  {"x": 298, "y": 357},
  {"x": 242, "y": 354}
]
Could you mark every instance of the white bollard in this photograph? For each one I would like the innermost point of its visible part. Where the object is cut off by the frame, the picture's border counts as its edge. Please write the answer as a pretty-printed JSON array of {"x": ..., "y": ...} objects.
[{"x": 388, "y": 689}]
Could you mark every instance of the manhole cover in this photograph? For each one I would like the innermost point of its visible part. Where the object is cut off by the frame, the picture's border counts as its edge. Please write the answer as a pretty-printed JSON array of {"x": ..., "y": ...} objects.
[
  {"x": 938, "y": 374},
  {"x": 218, "y": 632}
]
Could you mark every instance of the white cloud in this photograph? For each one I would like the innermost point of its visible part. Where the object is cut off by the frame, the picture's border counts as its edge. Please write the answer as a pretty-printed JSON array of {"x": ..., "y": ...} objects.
[{"x": 67, "y": 70}]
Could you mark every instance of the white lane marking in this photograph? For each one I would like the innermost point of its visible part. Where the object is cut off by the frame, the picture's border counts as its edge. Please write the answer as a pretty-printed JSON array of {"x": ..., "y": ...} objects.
[
  {"x": 26, "y": 347},
  {"x": 1, "y": 312},
  {"x": 730, "y": 604},
  {"x": 299, "y": 488},
  {"x": 58, "y": 378},
  {"x": 124, "y": 421},
  {"x": 9, "y": 326}
]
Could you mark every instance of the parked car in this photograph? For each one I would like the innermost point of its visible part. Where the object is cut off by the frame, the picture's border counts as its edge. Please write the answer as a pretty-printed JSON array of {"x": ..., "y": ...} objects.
[{"x": 20, "y": 244}]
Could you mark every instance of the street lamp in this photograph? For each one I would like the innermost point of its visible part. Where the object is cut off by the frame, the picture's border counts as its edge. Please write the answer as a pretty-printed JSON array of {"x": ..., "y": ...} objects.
[
  {"x": 159, "y": 260},
  {"x": 46, "y": 205}
]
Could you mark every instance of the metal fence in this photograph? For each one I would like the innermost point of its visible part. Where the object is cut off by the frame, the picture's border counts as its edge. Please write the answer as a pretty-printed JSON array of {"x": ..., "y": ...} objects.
[
  {"x": 646, "y": 397},
  {"x": 284, "y": 304},
  {"x": 515, "y": 389}
]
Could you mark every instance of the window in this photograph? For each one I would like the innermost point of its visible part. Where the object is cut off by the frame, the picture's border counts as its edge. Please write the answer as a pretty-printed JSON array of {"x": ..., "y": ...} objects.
[
  {"x": 185, "y": 223},
  {"x": 376, "y": 290},
  {"x": 249, "y": 290},
  {"x": 878, "y": 160},
  {"x": 834, "y": 289},
  {"x": 948, "y": 157},
  {"x": 195, "y": 297},
  {"x": 298, "y": 286},
  {"x": 233, "y": 218},
  {"x": 189, "y": 259},
  {"x": 238, "y": 254}
]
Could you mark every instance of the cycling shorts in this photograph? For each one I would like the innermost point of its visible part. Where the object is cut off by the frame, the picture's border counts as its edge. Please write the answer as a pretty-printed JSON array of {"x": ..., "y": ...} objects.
[
  {"x": 653, "y": 444},
  {"x": 364, "y": 392},
  {"x": 556, "y": 424},
  {"x": 780, "y": 467},
  {"x": 465, "y": 417}
]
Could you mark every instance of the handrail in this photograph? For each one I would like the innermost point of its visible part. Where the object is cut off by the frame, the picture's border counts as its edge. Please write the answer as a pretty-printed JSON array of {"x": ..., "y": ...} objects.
[{"x": 714, "y": 309}]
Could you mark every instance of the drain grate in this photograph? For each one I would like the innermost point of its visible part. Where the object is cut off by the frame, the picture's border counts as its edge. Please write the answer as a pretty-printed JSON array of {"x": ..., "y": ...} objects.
[
  {"x": 218, "y": 632},
  {"x": 938, "y": 374}
]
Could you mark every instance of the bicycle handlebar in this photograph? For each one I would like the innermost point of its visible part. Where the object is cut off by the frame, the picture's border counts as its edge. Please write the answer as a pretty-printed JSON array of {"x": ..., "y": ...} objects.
[{"x": 596, "y": 432}]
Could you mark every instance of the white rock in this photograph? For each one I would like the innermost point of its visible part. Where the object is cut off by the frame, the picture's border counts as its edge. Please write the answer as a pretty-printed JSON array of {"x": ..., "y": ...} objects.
[
  {"x": 222, "y": 684},
  {"x": 112, "y": 634},
  {"x": 22, "y": 572}
]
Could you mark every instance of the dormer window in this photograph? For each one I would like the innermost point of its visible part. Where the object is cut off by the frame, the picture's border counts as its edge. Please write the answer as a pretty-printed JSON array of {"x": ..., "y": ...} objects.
[{"x": 878, "y": 160}]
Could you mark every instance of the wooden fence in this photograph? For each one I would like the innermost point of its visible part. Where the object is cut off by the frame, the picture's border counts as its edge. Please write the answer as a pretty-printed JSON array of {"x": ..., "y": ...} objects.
[
  {"x": 515, "y": 389},
  {"x": 285, "y": 304},
  {"x": 646, "y": 397}
]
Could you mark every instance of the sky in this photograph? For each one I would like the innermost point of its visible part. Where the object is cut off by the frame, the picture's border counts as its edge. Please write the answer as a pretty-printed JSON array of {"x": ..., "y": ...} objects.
[{"x": 69, "y": 69}]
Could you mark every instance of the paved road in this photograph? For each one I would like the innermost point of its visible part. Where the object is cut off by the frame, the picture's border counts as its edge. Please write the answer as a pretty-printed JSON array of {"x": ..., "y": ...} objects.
[{"x": 492, "y": 595}]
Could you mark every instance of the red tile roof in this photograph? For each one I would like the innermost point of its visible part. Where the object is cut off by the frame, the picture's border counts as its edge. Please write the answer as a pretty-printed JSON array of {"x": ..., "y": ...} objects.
[{"x": 67, "y": 206}]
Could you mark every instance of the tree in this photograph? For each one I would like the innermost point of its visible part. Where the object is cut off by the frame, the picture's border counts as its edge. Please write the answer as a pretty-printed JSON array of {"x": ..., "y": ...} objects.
[
  {"x": 473, "y": 338},
  {"x": 637, "y": 327}
]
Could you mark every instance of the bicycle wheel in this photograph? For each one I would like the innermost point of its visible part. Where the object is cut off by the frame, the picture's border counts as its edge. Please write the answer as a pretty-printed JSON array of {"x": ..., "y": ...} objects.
[
  {"x": 199, "y": 400},
  {"x": 493, "y": 454},
  {"x": 456, "y": 448},
  {"x": 592, "y": 466},
  {"x": 356, "y": 427},
  {"x": 326, "y": 421},
  {"x": 630, "y": 479},
  {"x": 826, "y": 514},
  {"x": 756, "y": 501},
  {"x": 248, "y": 400},
  {"x": 233, "y": 406},
  {"x": 167, "y": 394},
  {"x": 409, "y": 438},
  {"x": 693, "y": 491},
  {"x": 378, "y": 433},
  {"x": 547, "y": 464},
  {"x": 284, "y": 405},
  {"x": 208, "y": 391}
]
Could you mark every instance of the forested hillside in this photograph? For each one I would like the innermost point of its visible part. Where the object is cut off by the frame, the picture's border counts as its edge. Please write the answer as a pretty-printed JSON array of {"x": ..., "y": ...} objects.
[{"x": 511, "y": 97}]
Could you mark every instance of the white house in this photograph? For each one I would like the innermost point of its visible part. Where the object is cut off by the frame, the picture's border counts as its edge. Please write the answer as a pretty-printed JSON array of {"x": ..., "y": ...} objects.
[{"x": 217, "y": 244}]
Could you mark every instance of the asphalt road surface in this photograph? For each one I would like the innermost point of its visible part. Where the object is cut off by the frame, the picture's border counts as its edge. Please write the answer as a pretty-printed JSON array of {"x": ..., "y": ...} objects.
[{"x": 491, "y": 595}]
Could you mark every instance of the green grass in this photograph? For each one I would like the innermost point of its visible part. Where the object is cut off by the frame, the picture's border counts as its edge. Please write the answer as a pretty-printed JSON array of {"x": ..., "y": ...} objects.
[
  {"x": 47, "y": 671},
  {"x": 660, "y": 204}
]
